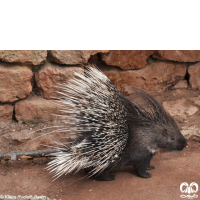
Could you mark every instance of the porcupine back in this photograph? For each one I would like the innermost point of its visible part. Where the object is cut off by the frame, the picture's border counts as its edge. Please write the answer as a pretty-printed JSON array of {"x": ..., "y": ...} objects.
[{"x": 97, "y": 118}]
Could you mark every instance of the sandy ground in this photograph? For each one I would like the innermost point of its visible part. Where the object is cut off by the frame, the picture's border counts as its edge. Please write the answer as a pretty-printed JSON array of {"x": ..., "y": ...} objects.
[
  {"x": 30, "y": 177},
  {"x": 171, "y": 169}
]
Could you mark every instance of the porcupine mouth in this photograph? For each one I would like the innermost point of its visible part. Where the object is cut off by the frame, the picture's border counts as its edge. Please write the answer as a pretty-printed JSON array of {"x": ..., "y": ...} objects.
[{"x": 181, "y": 147}]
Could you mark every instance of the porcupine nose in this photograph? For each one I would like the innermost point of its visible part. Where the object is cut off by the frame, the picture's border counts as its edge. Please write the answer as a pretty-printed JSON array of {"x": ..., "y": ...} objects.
[{"x": 182, "y": 144}]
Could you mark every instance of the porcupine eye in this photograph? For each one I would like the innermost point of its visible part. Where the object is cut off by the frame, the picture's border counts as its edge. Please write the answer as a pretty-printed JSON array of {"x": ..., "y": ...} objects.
[{"x": 173, "y": 138}]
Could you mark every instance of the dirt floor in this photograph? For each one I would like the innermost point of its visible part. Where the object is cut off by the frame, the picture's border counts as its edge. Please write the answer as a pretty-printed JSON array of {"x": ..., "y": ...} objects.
[
  {"x": 30, "y": 177},
  {"x": 171, "y": 169}
]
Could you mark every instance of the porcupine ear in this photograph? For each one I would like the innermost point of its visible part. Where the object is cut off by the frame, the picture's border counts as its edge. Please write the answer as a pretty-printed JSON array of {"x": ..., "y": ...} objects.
[{"x": 164, "y": 132}]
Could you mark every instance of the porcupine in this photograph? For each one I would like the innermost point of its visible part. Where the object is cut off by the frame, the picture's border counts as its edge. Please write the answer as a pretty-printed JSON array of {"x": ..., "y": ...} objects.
[{"x": 110, "y": 131}]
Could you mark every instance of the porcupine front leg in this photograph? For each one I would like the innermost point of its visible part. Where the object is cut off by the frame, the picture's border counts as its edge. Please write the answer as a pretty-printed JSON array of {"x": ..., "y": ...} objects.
[
  {"x": 142, "y": 165},
  {"x": 150, "y": 166}
]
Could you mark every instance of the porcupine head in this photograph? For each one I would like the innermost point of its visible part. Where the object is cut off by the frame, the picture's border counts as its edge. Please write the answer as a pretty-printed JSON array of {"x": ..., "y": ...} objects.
[{"x": 111, "y": 129}]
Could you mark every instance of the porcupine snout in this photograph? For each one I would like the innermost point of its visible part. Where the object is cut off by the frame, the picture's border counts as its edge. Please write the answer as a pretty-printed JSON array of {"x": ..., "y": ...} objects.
[{"x": 182, "y": 143}]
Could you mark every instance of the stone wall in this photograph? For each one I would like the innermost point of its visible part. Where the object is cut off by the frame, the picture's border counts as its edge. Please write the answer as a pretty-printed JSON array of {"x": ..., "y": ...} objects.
[{"x": 27, "y": 78}]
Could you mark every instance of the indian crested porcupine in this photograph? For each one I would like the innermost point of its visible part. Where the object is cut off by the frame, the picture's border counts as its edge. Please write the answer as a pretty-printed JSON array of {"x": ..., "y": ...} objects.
[{"x": 109, "y": 130}]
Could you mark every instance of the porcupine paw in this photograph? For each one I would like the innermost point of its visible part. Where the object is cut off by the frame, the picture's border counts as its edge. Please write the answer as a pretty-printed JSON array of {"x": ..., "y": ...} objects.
[
  {"x": 145, "y": 175},
  {"x": 150, "y": 167},
  {"x": 107, "y": 177}
]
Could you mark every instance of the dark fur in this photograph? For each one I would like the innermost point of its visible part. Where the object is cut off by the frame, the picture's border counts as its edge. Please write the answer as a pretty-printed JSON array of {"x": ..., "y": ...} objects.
[{"x": 150, "y": 128}]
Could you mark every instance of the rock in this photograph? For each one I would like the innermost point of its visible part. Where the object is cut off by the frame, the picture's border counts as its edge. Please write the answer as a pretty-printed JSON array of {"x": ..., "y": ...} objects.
[
  {"x": 194, "y": 73},
  {"x": 178, "y": 55},
  {"x": 43, "y": 136},
  {"x": 6, "y": 114},
  {"x": 182, "y": 84},
  {"x": 180, "y": 108},
  {"x": 156, "y": 76},
  {"x": 50, "y": 75},
  {"x": 15, "y": 82},
  {"x": 19, "y": 136},
  {"x": 127, "y": 59},
  {"x": 35, "y": 109},
  {"x": 72, "y": 57},
  {"x": 196, "y": 100},
  {"x": 191, "y": 132},
  {"x": 24, "y": 57}
]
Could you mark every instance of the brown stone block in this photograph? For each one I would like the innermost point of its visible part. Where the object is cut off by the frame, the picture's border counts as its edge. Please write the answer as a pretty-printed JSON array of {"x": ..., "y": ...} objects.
[
  {"x": 35, "y": 109},
  {"x": 194, "y": 72},
  {"x": 24, "y": 57},
  {"x": 6, "y": 114},
  {"x": 127, "y": 59},
  {"x": 15, "y": 82},
  {"x": 178, "y": 55},
  {"x": 51, "y": 75}
]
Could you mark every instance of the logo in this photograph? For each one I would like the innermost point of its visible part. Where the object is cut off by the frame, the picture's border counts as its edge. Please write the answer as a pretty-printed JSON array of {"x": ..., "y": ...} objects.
[{"x": 190, "y": 190}]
